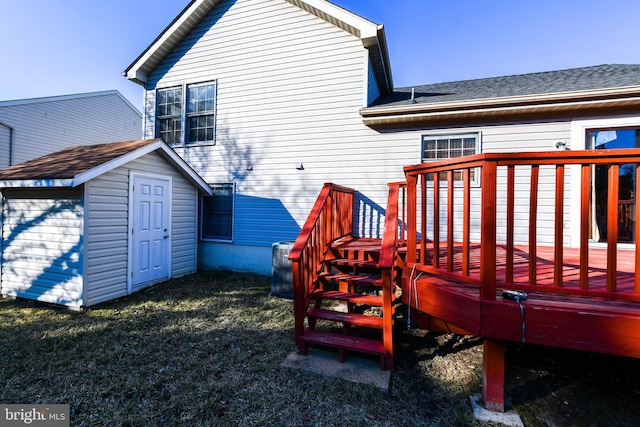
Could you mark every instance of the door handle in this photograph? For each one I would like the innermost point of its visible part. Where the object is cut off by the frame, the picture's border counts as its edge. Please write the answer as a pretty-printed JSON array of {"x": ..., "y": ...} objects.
[{"x": 166, "y": 236}]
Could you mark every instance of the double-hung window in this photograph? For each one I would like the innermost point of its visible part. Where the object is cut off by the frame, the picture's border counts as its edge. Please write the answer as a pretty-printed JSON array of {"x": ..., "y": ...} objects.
[
  {"x": 195, "y": 113},
  {"x": 217, "y": 214},
  {"x": 169, "y": 115},
  {"x": 439, "y": 147}
]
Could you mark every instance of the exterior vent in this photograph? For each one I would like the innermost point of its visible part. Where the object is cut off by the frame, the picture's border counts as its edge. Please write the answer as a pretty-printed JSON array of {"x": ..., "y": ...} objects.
[{"x": 281, "y": 277}]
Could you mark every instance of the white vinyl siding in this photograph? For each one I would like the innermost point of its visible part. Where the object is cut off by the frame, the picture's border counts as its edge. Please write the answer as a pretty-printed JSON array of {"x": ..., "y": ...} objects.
[
  {"x": 290, "y": 88},
  {"x": 288, "y": 84},
  {"x": 42, "y": 245},
  {"x": 108, "y": 233},
  {"x": 45, "y": 125},
  {"x": 511, "y": 138},
  {"x": 5, "y": 146},
  {"x": 106, "y": 247}
]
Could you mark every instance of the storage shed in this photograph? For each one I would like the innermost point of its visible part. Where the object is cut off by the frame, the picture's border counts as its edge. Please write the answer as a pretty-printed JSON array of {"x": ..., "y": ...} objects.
[{"x": 92, "y": 223}]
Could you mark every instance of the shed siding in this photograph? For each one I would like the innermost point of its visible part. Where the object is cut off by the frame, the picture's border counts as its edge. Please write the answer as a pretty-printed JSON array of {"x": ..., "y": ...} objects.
[
  {"x": 290, "y": 87},
  {"x": 42, "y": 245},
  {"x": 108, "y": 233},
  {"x": 43, "y": 126},
  {"x": 107, "y": 201}
]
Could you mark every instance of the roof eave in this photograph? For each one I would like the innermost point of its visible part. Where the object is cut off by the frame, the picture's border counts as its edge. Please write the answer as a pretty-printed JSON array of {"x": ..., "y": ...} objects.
[
  {"x": 37, "y": 183},
  {"x": 186, "y": 20},
  {"x": 494, "y": 109},
  {"x": 165, "y": 152},
  {"x": 371, "y": 35}
]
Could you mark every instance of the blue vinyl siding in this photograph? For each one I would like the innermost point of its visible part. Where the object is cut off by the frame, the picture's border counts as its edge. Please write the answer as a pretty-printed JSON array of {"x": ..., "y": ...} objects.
[{"x": 373, "y": 91}]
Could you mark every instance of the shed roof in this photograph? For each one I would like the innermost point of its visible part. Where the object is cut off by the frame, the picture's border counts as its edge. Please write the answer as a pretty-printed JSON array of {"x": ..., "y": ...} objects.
[
  {"x": 371, "y": 35},
  {"x": 74, "y": 166},
  {"x": 601, "y": 88}
]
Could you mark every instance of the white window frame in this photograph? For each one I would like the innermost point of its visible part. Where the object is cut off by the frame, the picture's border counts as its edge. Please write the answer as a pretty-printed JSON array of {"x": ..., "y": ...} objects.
[
  {"x": 185, "y": 115},
  {"x": 232, "y": 186},
  {"x": 475, "y": 180}
]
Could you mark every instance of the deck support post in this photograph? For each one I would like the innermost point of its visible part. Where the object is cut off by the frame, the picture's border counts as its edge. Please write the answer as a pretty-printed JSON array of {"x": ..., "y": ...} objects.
[{"x": 493, "y": 375}]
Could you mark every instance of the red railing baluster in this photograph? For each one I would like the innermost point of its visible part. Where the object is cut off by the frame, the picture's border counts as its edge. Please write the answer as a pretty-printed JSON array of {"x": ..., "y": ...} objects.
[
  {"x": 636, "y": 236},
  {"x": 450, "y": 215},
  {"x": 436, "y": 220},
  {"x": 585, "y": 225},
  {"x": 423, "y": 224},
  {"x": 412, "y": 221},
  {"x": 533, "y": 227},
  {"x": 511, "y": 183},
  {"x": 558, "y": 262},
  {"x": 466, "y": 221},
  {"x": 612, "y": 227}
]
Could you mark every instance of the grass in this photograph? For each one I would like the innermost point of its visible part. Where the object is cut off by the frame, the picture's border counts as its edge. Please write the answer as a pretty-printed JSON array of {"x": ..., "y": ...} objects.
[{"x": 207, "y": 350}]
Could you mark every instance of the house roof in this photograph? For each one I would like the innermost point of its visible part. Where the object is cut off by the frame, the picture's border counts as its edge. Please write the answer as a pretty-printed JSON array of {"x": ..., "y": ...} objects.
[
  {"x": 371, "y": 35},
  {"x": 554, "y": 92},
  {"x": 74, "y": 166},
  {"x": 70, "y": 97}
]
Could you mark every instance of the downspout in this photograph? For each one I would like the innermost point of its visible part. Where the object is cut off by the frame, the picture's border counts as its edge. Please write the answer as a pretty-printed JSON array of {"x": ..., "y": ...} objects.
[{"x": 11, "y": 130}]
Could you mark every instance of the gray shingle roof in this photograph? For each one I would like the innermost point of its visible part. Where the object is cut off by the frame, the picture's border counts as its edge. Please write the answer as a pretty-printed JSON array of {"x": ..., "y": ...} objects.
[
  {"x": 575, "y": 79},
  {"x": 71, "y": 161}
]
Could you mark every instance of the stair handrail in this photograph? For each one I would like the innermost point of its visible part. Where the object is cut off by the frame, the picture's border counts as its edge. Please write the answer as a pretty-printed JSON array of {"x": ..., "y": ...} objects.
[
  {"x": 330, "y": 219},
  {"x": 393, "y": 229},
  {"x": 394, "y": 224}
]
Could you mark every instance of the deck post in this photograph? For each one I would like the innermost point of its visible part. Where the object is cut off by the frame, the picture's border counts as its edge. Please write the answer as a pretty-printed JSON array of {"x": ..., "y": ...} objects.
[{"x": 493, "y": 375}]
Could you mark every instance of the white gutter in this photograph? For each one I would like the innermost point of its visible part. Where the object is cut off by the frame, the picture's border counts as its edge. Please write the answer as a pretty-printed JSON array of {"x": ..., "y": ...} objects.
[{"x": 486, "y": 107}]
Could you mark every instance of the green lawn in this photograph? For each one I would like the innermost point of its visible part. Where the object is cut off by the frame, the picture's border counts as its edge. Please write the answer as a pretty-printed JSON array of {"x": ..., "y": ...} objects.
[{"x": 207, "y": 350}]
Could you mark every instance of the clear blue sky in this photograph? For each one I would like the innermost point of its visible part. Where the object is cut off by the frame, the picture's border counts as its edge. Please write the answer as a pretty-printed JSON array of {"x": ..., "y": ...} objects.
[{"x": 57, "y": 47}]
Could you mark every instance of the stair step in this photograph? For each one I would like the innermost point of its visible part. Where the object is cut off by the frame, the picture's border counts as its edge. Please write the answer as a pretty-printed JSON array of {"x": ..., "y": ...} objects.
[
  {"x": 360, "y": 280},
  {"x": 349, "y": 297},
  {"x": 346, "y": 342},
  {"x": 355, "y": 319},
  {"x": 354, "y": 263}
]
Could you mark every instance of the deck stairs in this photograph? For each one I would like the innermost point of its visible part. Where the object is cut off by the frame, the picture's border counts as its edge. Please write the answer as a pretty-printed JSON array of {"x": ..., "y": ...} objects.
[{"x": 345, "y": 309}]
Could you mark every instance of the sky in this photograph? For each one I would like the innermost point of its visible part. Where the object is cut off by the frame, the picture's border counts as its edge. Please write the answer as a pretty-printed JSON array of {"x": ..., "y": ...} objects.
[{"x": 58, "y": 47}]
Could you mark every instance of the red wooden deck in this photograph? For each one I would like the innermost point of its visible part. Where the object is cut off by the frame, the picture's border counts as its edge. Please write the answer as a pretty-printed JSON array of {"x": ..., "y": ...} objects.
[
  {"x": 586, "y": 298},
  {"x": 567, "y": 316}
]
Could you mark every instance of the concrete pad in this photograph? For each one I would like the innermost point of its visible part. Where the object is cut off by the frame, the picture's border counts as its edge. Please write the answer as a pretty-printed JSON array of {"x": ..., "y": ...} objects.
[
  {"x": 356, "y": 369},
  {"x": 509, "y": 418}
]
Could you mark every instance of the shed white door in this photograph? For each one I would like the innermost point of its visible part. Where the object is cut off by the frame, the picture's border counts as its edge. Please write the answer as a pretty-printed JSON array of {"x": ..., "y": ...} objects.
[{"x": 151, "y": 233}]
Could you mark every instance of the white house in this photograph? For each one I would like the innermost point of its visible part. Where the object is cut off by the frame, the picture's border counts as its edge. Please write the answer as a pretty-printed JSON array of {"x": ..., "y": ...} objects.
[
  {"x": 92, "y": 223},
  {"x": 31, "y": 128},
  {"x": 269, "y": 99}
]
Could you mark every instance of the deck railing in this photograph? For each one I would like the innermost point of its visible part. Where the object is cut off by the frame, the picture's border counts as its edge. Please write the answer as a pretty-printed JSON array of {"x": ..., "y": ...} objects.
[
  {"x": 330, "y": 219},
  {"x": 498, "y": 203},
  {"x": 392, "y": 238}
]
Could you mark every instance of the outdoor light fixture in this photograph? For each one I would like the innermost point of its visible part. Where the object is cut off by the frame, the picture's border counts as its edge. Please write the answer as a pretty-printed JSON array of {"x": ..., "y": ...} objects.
[
  {"x": 250, "y": 167},
  {"x": 561, "y": 145},
  {"x": 299, "y": 166}
]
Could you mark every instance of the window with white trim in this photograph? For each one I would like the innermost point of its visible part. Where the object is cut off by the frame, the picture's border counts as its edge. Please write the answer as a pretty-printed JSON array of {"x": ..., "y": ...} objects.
[
  {"x": 440, "y": 147},
  {"x": 194, "y": 113},
  {"x": 216, "y": 219}
]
